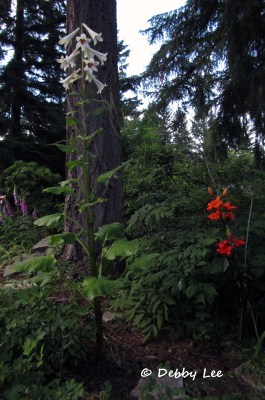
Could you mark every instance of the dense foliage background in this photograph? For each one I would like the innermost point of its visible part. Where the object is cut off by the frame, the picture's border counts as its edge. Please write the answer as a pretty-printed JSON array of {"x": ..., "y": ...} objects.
[{"x": 210, "y": 65}]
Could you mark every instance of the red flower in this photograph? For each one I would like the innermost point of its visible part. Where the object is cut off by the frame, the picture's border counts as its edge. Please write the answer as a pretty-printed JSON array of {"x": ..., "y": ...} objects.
[
  {"x": 224, "y": 248},
  {"x": 217, "y": 203},
  {"x": 228, "y": 215},
  {"x": 227, "y": 206},
  {"x": 215, "y": 216},
  {"x": 237, "y": 242}
]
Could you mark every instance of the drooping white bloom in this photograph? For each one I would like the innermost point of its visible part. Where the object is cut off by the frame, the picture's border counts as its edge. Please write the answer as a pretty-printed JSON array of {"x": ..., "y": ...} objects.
[
  {"x": 82, "y": 41},
  {"x": 101, "y": 56},
  {"x": 90, "y": 77},
  {"x": 67, "y": 39},
  {"x": 88, "y": 56},
  {"x": 90, "y": 65},
  {"x": 70, "y": 79},
  {"x": 68, "y": 61},
  {"x": 63, "y": 62},
  {"x": 66, "y": 82},
  {"x": 96, "y": 37}
]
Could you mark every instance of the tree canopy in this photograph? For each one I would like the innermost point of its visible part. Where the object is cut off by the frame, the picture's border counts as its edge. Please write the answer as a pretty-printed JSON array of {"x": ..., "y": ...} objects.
[
  {"x": 212, "y": 59},
  {"x": 31, "y": 97}
]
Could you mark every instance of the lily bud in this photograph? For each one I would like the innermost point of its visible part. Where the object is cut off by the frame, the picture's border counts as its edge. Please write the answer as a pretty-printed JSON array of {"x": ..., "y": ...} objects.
[
  {"x": 224, "y": 216},
  {"x": 210, "y": 191},
  {"x": 225, "y": 192}
]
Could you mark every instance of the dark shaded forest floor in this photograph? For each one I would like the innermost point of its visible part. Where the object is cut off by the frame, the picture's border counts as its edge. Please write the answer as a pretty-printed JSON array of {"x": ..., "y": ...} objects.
[{"x": 126, "y": 356}]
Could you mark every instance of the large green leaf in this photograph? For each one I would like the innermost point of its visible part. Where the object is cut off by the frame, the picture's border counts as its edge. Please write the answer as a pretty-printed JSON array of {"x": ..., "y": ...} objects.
[
  {"x": 110, "y": 232},
  {"x": 64, "y": 147},
  {"x": 37, "y": 264},
  {"x": 48, "y": 220},
  {"x": 97, "y": 111},
  {"x": 75, "y": 163},
  {"x": 209, "y": 289},
  {"x": 59, "y": 190},
  {"x": 88, "y": 138},
  {"x": 84, "y": 206},
  {"x": 96, "y": 287},
  {"x": 225, "y": 264},
  {"x": 191, "y": 291},
  {"x": 65, "y": 237},
  {"x": 122, "y": 248},
  {"x": 68, "y": 182},
  {"x": 104, "y": 178},
  {"x": 70, "y": 121},
  {"x": 43, "y": 278},
  {"x": 144, "y": 262}
]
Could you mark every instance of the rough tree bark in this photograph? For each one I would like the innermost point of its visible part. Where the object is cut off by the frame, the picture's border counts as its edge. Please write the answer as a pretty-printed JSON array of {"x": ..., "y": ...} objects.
[{"x": 100, "y": 15}]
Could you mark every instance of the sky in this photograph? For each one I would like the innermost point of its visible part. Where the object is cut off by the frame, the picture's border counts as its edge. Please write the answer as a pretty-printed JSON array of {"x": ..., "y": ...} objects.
[{"x": 133, "y": 16}]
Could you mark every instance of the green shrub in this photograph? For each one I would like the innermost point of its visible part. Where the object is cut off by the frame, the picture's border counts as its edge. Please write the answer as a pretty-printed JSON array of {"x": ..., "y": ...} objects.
[
  {"x": 175, "y": 277},
  {"x": 17, "y": 236},
  {"x": 179, "y": 278},
  {"x": 30, "y": 179},
  {"x": 42, "y": 342}
]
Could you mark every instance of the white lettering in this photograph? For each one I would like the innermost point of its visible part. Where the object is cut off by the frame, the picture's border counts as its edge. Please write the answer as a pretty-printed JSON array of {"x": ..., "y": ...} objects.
[{"x": 160, "y": 374}]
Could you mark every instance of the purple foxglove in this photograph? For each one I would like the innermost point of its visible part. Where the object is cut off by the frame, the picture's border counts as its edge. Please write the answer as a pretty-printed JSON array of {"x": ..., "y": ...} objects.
[
  {"x": 9, "y": 209},
  {"x": 34, "y": 214},
  {"x": 15, "y": 197},
  {"x": 24, "y": 208}
]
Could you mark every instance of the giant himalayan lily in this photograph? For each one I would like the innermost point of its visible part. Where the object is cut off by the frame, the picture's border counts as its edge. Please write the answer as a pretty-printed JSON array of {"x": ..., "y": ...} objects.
[
  {"x": 90, "y": 77},
  {"x": 69, "y": 61},
  {"x": 64, "y": 41},
  {"x": 70, "y": 79},
  {"x": 82, "y": 41},
  {"x": 96, "y": 37}
]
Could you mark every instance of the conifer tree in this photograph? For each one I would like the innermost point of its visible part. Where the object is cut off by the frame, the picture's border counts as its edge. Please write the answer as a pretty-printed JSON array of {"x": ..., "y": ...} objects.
[
  {"x": 127, "y": 83},
  {"x": 31, "y": 97},
  {"x": 102, "y": 112},
  {"x": 212, "y": 59}
]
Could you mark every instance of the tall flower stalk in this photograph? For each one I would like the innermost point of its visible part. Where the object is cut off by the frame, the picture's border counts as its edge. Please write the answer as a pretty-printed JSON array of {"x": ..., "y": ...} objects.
[
  {"x": 88, "y": 56},
  {"x": 88, "y": 61},
  {"x": 81, "y": 66},
  {"x": 224, "y": 212}
]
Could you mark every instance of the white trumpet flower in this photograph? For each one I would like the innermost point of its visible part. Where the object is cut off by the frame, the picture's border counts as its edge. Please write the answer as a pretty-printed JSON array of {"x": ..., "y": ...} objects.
[
  {"x": 70, "y": 79},
  {"x": 96, "y": 37},
  {"x": 67, "y": 39},
  {"x": 90, "y": 65},
  {"x": 68, "y": 61},
  {"x": 82, "y": 41},
  {"x": 90, "y": 77},
  {"x": 90, "y": 58},
  {"x": 90, "y": 53}
]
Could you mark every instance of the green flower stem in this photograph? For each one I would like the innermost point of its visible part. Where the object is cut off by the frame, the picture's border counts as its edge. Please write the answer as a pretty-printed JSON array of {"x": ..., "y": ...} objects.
[
  {"x": 84, "y": 247},
  {"x": 90, "y": 236}
]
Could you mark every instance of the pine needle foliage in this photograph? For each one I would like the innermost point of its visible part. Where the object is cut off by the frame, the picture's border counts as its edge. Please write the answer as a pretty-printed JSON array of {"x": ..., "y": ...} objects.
[{"x": 212, "y": 59}]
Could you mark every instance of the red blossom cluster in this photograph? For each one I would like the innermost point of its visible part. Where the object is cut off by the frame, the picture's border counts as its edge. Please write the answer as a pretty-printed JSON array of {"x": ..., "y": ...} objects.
[
  {"x": 223, "y": 210},
  {"x": 226, "y": 246}
]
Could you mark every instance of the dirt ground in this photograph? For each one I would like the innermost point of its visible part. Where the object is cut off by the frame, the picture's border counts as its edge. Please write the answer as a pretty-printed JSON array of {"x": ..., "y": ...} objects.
[{"x": 126, "y": 356}]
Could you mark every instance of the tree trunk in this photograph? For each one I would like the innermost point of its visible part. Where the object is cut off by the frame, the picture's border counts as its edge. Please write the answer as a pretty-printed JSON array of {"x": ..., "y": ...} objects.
[{"x": 99, "y": 15}]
